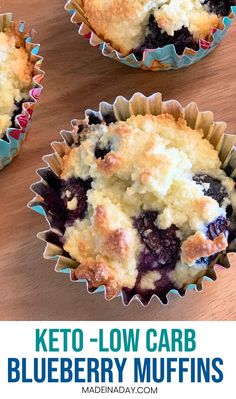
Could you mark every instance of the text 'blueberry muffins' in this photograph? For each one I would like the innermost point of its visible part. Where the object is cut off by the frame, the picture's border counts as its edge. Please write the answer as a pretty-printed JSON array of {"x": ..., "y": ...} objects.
[
  {"x": 140, "y": 199},
  {"x": 19, "y": 85},
  {"x": 154, "y": 34}
]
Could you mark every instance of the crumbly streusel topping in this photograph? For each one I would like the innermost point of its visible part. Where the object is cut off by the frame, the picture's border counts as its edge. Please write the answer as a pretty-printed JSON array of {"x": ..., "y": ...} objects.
[
  {"x": 124, "y": 23},
  {"x": 150, "y": 165},
  {"x": 15, "y": 77}
]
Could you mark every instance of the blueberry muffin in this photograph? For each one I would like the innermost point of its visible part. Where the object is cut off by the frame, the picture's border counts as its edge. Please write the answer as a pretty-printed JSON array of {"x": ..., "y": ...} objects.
[
  {"x": 16, "y": 78},
  {"x": 132, "y": 26},
  {"x": 142, "y": 205}
]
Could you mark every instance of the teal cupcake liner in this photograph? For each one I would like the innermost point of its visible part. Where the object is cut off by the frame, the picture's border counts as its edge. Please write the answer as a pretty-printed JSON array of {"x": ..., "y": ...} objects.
[
  {"x": 160, "y": 59},
  {"x": 123, "y": 109},
  {"x": 11, "y": 143}
]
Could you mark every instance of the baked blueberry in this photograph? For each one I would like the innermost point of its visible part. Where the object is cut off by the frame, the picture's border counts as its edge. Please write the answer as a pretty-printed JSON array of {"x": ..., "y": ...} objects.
[
  {"x": 74, "y": 195},
  {"x": 211, "y": 187},
  {"x": 218, "y": 226},
  {"x": 220, "y": 7},
  {"x": 101, "y": 152},
  {"x": 157, "y": 38},
  {"x": 17, "y": 111},
  {"x": 161, "y": 247}
]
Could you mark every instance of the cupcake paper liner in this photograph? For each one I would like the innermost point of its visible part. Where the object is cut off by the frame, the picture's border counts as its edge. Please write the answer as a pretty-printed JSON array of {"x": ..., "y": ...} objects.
[
  {"x": 122, "y": 109},
  {"x": 161, "y": 59},
  {"x": 14, "y": 137}
]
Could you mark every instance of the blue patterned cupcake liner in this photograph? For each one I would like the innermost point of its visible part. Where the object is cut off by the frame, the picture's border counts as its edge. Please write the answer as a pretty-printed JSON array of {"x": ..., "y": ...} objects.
[
  {"x": 14, "y": 137},
  {"x": 161, "y": 59},
  {"x": 122, "y": 109}
]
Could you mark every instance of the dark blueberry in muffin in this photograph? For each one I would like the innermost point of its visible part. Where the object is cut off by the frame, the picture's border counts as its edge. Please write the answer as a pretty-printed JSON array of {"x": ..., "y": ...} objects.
[
  {"x": 57, "y": 193},
  {"x": 109, "y": 118},
  {"x": 161, "y": 247},
  {"x": 182, "y": 39},
  {"x": 220, "y": 7},
  {"x": 101, "y": 152},
  {"x": 156, "y": 38},
  {"x": 17, "y": 111},
  {"x": 215, "y": 190},
  {"x": 75, "y": 189},
  {"x": 94, "y": 118},
  {"x": 162, "y": 287},
  {"x": 220, "y": 225},
  {"x": 214, "y": 229},
  {"x": 229, "y": 211},
  {"x": 205, "y": 261},
  {"x": 52, "y": 204}
]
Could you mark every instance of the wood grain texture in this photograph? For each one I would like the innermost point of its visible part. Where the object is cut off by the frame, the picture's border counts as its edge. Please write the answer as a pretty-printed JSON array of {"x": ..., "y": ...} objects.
[{"x": 78, "y": 77}]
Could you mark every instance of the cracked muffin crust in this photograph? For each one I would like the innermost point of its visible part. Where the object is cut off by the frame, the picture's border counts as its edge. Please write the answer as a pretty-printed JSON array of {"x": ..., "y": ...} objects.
[
  {"x": 16, "y": 78},
  {"x": 144, "y": 203},
  {"x": 133, "y": 26}
]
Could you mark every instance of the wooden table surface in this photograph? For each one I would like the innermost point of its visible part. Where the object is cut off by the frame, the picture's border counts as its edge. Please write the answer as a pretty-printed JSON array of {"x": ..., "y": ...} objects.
[{"x": 78, "y": 77}]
